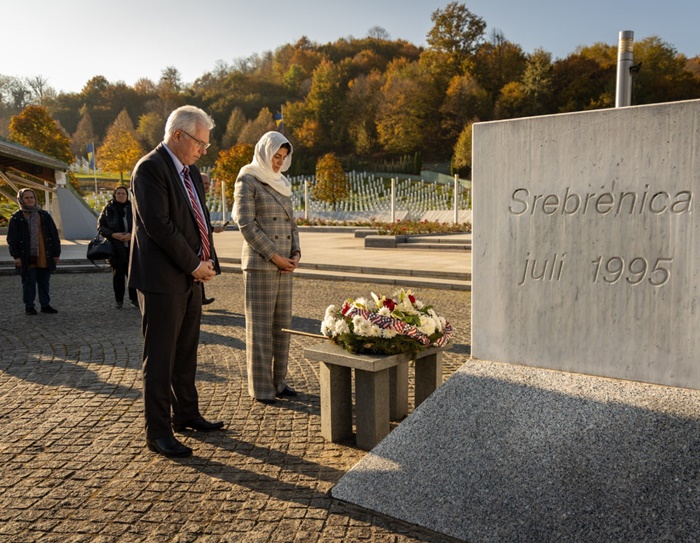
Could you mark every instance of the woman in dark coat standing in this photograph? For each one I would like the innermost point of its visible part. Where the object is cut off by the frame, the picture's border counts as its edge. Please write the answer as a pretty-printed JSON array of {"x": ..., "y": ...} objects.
[
  {"x": 34, "y": 244},
  {"x": 115, "y": 224}
]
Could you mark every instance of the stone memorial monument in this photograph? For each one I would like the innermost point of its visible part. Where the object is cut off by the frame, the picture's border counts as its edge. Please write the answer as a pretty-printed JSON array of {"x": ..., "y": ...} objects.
[
  {"x": 567, "y": 425},
  {"x": 585, "y": 243}
]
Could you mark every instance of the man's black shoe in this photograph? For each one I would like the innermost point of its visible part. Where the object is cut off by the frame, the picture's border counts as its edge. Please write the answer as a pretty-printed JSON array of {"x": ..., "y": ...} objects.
[
  {"x": 48, "y": 309},
  {"x": 200, "y": 424},
  {"x": 288, "y": 391},
  {"x": 207, "y": 301},
  {"x": 30, "y": 311},
  {"x": 168, "y": 446}
]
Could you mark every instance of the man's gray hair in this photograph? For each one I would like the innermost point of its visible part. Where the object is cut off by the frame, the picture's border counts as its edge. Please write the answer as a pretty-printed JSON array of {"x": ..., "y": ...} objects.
[{"x": 187, "y": 118}]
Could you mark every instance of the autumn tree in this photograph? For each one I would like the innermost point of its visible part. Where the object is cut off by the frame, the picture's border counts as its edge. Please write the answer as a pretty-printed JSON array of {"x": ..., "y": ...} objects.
[
  {"x": 457, "y": 32},
  {"x": 294, "y": 117},
  {"x": 497, "y": 63},
  {"x": 512, "y": 101},
  {"x": 230, "y": 162},
  {"x": 662, "y": 76},
  {"x": 120, "y": 150},
  {"x": 253, "y": 130},
  {"x": 15, "y": 92},
  {"x": 84, "y": 135},
  {"x": 234, "y": 126},
  {"x": 170, "y": 87},
  {"x": 95, "y": 99},
  {"x": 293, "y": 79},
  {"x": 408, "y": 114},
  {"x": 580, "y": 82},
  {"x": 294, "y": 63},
  {"x": 331, "y": 184},
  {"x": 150, "y": 130},
  {"x": 692, "y": 65},
  {"x": 41, "y": 91},
  {"x": 324, "y": 106},
  {"x": 378, "y": 33},
  {"x": 464, "y": 99},
  {"x": 363, "y": 100},
  {"x": 462, "y": 157},
  {"x": 35, "y": 128},
  {"x": 537, "y": 82}
]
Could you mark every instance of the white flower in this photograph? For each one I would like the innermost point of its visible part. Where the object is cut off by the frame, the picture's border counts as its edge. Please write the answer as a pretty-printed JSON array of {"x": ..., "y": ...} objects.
[
  {"x": 374, "y": 331},
  {"x": 428, "y": 321},
  {"x": 341, "y": 327},
  {"x": 359, "y": 324},
  {"x": 439, "y": 321},
  {"x": 328, "y": 326},
  {"x": 388, "y": 333},
  {"x": 427, "y": 325},
  {"x": 363, "y": 327}
]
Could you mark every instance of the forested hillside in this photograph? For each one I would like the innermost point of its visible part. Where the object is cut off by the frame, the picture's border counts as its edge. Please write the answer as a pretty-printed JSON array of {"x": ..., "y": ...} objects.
[{"x": 366, "y": 99}]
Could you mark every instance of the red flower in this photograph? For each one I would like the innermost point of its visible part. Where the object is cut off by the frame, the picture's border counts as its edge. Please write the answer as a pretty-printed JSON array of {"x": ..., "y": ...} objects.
[
  {"x": 412, "y": 298},
  {"x": 391, "y": 304},
  {"x": 346, "y": 308}
]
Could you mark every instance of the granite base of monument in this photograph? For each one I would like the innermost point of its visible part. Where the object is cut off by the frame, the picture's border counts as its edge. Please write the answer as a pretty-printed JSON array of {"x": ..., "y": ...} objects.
[{"x": 503, "y": 452}]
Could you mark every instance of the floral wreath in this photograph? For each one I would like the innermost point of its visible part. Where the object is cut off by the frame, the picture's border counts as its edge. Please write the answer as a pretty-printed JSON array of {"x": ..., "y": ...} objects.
[{"x": 386, "y": 325}]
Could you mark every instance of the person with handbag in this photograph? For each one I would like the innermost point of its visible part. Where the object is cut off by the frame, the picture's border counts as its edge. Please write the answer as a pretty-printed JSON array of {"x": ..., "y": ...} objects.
[
  {"x": 34, "y": 244},
  {"x": 115, "y": 224}
]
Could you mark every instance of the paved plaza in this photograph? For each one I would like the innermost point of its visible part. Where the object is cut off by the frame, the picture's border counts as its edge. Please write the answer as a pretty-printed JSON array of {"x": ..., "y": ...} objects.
[{"x": 74, "y": 463}]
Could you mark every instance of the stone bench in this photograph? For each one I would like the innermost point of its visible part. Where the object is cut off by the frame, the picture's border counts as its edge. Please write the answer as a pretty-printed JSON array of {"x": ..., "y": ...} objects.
[{"x": 381, "y": 389}]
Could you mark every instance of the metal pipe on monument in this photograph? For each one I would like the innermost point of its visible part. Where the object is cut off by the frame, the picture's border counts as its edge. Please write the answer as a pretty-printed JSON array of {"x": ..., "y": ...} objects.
[{"x": 623, "y": 89}]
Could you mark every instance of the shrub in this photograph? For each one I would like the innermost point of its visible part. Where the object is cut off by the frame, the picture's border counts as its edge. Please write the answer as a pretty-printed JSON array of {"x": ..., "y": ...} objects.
[
  {"x": 398, "y": 228},
  {"x": 415, "y": 228}
]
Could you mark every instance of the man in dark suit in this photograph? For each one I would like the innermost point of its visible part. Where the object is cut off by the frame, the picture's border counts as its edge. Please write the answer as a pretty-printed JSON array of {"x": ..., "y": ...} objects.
[{"x": 171, "y": 253}]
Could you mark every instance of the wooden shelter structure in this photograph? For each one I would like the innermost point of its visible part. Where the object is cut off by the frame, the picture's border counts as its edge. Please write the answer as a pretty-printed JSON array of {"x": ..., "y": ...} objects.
[{"x": 23, "y": 167}]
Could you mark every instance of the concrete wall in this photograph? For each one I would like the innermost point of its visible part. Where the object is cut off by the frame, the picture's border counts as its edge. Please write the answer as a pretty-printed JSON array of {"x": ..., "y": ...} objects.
[
  {"x": 72, "y": 216},
  {"x": 586, "y": 250}
]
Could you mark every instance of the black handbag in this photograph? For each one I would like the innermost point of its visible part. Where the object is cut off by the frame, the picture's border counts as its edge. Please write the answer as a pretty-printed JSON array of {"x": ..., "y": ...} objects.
[{"x": 99, "y": 249}]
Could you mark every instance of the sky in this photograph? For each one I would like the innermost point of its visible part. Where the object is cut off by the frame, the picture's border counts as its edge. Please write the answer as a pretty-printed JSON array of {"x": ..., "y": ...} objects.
[{"x": 70, "y": 41}]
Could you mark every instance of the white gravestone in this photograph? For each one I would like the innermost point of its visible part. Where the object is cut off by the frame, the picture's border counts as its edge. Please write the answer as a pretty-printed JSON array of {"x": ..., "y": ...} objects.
[{"x": 586, "y": 249}]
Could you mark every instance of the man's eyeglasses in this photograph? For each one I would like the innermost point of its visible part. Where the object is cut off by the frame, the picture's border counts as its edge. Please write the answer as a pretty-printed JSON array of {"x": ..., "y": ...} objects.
[{"x": 201, "y": 144}]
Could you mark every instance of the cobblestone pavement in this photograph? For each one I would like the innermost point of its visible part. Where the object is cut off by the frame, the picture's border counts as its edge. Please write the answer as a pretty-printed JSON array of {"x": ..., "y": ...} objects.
[{"x": 74, "y": 463}]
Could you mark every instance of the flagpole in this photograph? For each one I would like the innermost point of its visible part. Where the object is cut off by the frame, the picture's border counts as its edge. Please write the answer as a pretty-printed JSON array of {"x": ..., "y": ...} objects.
[{"x": 94, "y": 170}]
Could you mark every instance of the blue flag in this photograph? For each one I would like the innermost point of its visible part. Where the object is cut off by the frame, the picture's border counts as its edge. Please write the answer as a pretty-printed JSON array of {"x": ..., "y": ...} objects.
[{"x": 91, "y": 154}]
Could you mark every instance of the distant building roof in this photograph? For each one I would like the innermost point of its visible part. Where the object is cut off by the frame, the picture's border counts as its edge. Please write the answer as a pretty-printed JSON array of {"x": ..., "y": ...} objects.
[{"x": 12, "y": 154}]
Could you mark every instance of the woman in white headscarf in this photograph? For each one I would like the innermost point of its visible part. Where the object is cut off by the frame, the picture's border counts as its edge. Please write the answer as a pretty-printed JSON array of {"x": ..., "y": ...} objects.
[{"x": 265, "y": 217}]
